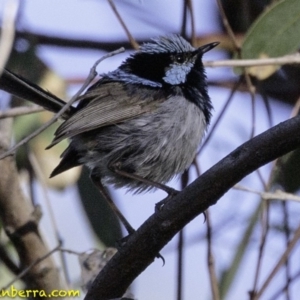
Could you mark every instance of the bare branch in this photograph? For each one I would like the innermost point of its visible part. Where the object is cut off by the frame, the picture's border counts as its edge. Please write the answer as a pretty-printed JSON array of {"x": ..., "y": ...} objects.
[
  {"x": 28, "y": 268},
  {"x": 190, "y": 7},
  {"x": 41, "y": 179},
  {"x": 283, "y": 60},
  {"x": 287, "y": 233},
  {"x": 277, "y": 195},
  {"x": 133, "y": 42},
  {"x": 142, "y": 246},
  {"x": 20, "y": 111},
  {"x": 280, "y": 262},
  {"x": 220, "y": 116},
  {"x": 211, "y": 261},
  {"x": 20, "y": 224},
  {"x": 228, "y": 27},
  {"x": 292, "y": 279},
  {"x": 91, "y": 76}
]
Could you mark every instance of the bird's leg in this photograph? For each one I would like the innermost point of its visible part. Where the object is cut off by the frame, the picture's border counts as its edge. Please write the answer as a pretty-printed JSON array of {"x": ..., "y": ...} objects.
[
  {"x": 97, "y": 182},
  {"x": 116, "y": 168}
]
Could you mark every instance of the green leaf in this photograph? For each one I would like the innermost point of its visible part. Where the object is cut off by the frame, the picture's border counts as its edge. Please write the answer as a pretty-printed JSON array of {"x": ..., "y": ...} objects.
[
  {"x": 103, "y": 220},
  {"x": 230, "y": 274},
  {"x": 275, "y": 33},
  {"x": 286, "y": 173}
]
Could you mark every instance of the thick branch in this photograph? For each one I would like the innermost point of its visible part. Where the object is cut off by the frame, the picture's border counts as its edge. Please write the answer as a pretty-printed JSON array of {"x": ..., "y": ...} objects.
[
  {"x": 21, "y": 224},
  {"x": 109, "y": 46},
  {"x": 43, "y": 39},
  {"x": 142, "y": 247}
]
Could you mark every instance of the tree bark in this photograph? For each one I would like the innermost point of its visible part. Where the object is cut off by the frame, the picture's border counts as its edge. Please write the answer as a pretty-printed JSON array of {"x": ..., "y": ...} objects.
[
  {"x": 143, "y": 246},
  {"x": 20, "y": 222}
]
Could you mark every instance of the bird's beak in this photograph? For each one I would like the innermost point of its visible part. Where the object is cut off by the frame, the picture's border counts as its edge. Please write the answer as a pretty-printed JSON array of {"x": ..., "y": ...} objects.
[{"x": 205, "y": 48}]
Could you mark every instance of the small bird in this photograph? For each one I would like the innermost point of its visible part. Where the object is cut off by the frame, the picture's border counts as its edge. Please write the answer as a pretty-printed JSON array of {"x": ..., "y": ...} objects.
[{"x": 139, "y": 125}]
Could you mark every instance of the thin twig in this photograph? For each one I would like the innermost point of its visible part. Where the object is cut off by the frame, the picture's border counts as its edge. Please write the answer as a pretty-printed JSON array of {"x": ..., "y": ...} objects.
[
  {"x": 27, "y": 269},
  {"x": 223, "y": 110},
  {"x": 280, "y": 262},
  {"x": 91, "y": 76},
  {"x": 228, "y": 27},
  {"x": 133, "y": 42},
  {"x": 40, "y": 177},
  {"x": 210, "y": 261},
  {"x": 282, "y": 60},
  {"x": 31, "y": 178},
  {"x": 196, "y": 165},
  {"x": 237, "y": 46},
  {"x": 71, "y": 251},
  {"x": 93, "y": 73},
  {"x": 277, "y": 195},
  {"x": 260, "y": 176},
  {"x": 252, "y": 91},
  {"x": 210, "y": 258},
  {"x": 180, "y": 262},
  {"x": 184, "y": 18},
  {"x": 281, "y": 290},
  {"x": 287, "y": 233},
  {"x": 296, "y": 108},
  {"x": 266, "y": 101},
  {"x": 189, "y": 4},
  {"x": 20, "y": 111},
  {"x": 262, "y": 245}
]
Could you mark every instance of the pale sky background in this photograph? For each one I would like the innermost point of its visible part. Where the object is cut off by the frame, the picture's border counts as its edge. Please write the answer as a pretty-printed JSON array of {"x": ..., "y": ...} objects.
[{"x": 92, "y": 19}]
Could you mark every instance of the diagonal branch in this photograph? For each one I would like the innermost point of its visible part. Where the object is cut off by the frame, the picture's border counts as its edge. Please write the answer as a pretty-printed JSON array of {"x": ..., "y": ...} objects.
[{"x": 142, "y": 246}]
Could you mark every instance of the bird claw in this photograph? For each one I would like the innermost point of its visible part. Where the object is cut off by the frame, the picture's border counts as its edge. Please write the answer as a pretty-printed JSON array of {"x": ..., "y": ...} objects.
[
  {"x": 162, "y": 258},
  {"x": 205, "y": 216},
  {"x": 171, "y": 193},
  {"x": 123, "y": 241}
]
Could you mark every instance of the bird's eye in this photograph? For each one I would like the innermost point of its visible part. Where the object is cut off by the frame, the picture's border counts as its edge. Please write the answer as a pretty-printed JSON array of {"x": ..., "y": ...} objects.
[{"x": 179, "y": 58}]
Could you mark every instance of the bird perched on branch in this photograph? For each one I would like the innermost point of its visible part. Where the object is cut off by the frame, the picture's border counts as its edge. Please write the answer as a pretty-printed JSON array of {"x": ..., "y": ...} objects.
[{"x": 138, "y": 126}]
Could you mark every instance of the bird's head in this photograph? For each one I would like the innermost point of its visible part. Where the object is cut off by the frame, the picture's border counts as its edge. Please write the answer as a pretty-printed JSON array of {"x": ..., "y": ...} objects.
[{"x": 167, "y": 60}]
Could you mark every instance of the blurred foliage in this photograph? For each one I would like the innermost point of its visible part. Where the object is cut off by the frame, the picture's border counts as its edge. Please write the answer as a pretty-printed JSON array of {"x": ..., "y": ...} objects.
[
  {"x": 267, "y": 32},
  {"x": 267, "y": 37},
  {"x": 103, "y": 220},
  {"x": 272, "y": 29},
  {"x": 24, "y": 61},
  {"x": 286, "y": 173},
  {"x": 229, "y": 274},
  {"x": 241, "y": 14}
]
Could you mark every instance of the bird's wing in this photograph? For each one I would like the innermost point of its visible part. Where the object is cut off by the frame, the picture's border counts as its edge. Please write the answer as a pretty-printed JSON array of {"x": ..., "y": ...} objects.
[{"x": 107, "y": 104}]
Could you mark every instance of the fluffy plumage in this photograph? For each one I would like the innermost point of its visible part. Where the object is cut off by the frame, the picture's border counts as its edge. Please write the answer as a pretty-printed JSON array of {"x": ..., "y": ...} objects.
[{"x": 149, "y": 116}]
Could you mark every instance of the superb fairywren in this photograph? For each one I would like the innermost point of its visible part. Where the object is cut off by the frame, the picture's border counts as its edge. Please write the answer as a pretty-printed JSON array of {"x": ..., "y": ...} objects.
[{"x": 138, "y": 126}]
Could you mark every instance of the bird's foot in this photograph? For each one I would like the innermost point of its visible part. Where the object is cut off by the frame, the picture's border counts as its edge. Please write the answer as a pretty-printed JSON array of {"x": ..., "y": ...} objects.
[
  {"x": 171, "y": 193},
  {"x": 123, "y": 241}
]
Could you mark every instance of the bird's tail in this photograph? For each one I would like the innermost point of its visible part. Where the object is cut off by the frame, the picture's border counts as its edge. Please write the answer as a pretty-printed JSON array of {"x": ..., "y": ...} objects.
[{"x": 23, "y": 88}]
